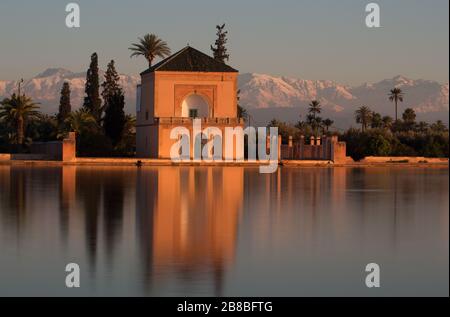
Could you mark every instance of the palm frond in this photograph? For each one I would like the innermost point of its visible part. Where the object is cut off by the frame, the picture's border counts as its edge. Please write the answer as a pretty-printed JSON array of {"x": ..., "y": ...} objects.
[{"x": 150, "y": 46}]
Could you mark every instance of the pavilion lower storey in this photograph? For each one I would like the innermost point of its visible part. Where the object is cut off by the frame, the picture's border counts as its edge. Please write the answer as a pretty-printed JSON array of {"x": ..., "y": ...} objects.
[{"x": 153, "y": 140}]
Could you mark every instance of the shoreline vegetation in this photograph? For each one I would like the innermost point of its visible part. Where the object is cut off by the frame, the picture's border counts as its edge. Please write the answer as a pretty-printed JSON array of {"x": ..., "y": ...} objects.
[
  {"x": 104, "y": 130},
  {"x": 379, "y": 136}
]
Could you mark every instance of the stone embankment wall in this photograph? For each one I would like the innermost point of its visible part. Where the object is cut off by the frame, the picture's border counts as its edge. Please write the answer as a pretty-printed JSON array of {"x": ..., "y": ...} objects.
[{"x": 318, "y": 148}]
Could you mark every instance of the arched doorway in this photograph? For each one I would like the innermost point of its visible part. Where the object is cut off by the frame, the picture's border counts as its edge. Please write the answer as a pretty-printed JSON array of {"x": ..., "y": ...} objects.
[{"x": 194, "y": 106}]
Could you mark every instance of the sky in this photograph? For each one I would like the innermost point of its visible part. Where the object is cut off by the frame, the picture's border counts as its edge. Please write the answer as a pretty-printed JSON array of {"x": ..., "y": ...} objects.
[{"x": 309, "y": 39}]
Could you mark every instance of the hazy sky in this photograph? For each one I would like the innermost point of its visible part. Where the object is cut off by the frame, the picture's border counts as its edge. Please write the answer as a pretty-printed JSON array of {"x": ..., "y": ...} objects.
[{"x": 311, "y": 39}]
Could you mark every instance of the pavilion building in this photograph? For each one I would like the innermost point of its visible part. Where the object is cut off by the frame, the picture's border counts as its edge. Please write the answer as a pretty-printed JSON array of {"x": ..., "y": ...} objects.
[{"x": 185, "y": 86}]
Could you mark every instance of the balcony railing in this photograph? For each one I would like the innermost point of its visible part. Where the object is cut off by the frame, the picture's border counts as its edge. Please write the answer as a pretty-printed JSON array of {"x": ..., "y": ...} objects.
[{"x": 211, "y": 121}]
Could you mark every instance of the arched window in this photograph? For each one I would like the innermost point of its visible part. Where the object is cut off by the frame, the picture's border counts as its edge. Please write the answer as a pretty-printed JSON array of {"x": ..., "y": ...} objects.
[{"x": 194, "y": 106}]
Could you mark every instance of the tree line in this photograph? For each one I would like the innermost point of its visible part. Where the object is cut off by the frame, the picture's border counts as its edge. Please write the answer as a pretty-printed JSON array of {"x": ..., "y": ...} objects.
[
  {"x": 101, "y": 124},
  {"x": 378, "y": 135}
]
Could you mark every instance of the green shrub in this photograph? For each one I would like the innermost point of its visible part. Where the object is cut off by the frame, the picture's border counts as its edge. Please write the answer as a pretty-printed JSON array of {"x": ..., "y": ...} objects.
[{"x": 377, "y": 145}]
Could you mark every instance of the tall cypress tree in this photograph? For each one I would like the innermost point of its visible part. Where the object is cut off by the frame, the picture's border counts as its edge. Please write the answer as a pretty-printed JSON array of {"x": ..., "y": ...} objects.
[
  {"x": 114, "y": 103},
  {"x": 92, "y": 101},
  {"x": 219, "y": 50},
  {"x": 65, "y": 106},
  {"x": 114, "y": 120},
  {"x": 111, "y": 84}
]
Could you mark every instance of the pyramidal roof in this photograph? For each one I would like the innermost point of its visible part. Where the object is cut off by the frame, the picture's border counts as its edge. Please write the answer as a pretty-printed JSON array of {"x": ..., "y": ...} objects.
[{"x": 190, "y": 60}]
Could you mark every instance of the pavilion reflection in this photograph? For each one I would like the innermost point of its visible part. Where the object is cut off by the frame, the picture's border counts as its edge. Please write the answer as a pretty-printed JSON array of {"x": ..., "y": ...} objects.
[{"x": 187, "y": 221}]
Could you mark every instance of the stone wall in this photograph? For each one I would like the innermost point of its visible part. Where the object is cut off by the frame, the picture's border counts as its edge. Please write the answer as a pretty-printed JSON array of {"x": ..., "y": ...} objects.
[
  {"x": 317, "y": 148},
  {"x": 339, "y": 152},
  {"x": 64, "y": 150}
]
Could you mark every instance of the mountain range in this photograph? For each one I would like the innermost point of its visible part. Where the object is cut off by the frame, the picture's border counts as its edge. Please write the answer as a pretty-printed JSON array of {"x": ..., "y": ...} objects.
[
  {"x": 46, "y": 87},
  {"x": 266, "y": 97}
]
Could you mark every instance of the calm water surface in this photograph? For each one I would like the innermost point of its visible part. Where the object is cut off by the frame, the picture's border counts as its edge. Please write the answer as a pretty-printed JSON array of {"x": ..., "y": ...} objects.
[{"x": 223, "y": 231}]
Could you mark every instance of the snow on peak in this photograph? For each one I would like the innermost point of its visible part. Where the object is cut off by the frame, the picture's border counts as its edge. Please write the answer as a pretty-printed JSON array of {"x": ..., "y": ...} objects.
[
  {"x": 50, "y": 72},
  {"x": 264, "y": 91}
]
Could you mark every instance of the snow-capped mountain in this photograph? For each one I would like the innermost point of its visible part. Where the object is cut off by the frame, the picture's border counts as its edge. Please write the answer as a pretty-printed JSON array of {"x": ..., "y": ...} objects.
[
  {"x": 267, "y": 96},
  {"x": 263, "y": 94},
  {"x": 46, "y": 87},
  {"x": 265, "y": 91},
  {"x": 422, "y": 95}
]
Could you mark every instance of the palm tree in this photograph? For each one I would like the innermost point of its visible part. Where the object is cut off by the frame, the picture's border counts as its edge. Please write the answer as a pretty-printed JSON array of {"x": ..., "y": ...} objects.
[
  {"x": 313, "y": 122},
  {"x": 409, "y": 116},
  {"x": 327, "y": 123},
  {"x": 150, "y": 46},
  {"x": 274, "y": 123},
  {"x": 81, "y": 121},
  {"x": 376, "y": 120},
  {"x": 16, "y": 111},
  {"x": 423, "y": 127},
  {"x": 439, "y": 127},
  {"x": 315, "y": 108},
  {"x": 396, "y": 95},
  {"x": 363, "y": 116},
  {"x": 303, "y": 126},
  {"x": 387, "y": 122}
]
